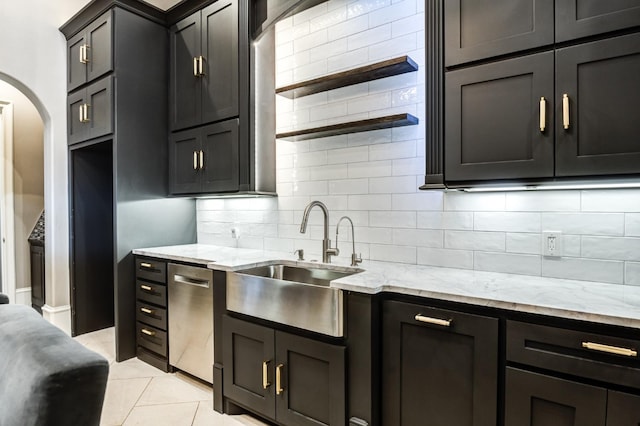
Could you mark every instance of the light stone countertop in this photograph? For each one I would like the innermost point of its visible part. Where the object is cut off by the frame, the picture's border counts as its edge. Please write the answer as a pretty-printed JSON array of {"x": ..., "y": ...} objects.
[{"x": 582, "y": 300}]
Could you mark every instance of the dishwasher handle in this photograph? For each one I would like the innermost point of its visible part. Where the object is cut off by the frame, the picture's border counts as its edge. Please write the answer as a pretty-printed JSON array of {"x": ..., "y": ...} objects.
[{"x": 183, "y": 279}]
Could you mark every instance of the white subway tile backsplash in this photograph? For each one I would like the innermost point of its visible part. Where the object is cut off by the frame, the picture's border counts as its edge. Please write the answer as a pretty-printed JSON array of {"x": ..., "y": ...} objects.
[
  {"x": 474, "y": 240},
  {"x": 525, "y": 243},
  {"x": 445, "y": 258},
  {"x": 418, "y": 237},
  {"x": 632, "y": 224},
  {"x": 461, "y": 201},
  {"x": 391, "y": 253},
  {"x": 632, "y": 273},
  {"x": 392, "y": 219},
  {"x": 370, "y": 202},
  {"x": 611, "y": 248},
  {"x": 373, "y": 177},
  {"x": 523, "y": 264},
  {"x": 445, "y": 220},
  {"x": 554, "y": 201},
  {"x": 583, "y": 269},
  {"x": 507, "y": 222}
]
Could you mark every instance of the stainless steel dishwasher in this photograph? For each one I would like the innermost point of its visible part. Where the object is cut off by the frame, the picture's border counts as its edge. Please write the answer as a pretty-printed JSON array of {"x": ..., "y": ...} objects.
[{"x": 190, "y": 304}]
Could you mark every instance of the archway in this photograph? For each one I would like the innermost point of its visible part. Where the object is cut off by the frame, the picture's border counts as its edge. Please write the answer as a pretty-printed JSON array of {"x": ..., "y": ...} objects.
[{"x": 21, "y": 186}]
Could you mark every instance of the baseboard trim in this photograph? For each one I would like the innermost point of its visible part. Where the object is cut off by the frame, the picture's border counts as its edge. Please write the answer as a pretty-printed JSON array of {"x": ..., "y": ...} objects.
[
  {"x": 23, "y": 296},
  {"x": 60, "y": 316}
]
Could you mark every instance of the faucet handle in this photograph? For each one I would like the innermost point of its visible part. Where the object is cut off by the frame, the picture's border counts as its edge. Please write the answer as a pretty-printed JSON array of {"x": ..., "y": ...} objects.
[
  {"x": 356, "y": 259},
  {"x": 300, "y": 253}
]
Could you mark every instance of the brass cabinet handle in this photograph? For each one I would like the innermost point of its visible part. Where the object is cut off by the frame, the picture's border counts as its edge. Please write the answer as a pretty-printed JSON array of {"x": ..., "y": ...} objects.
[
  {"x": 201, "y": 160},
  {"x": 195, "y": 160},
  {"x": 148, "y": 332},
  {"x": 147, "y": 311},
  {"x": 200, "y": 66},
  {"x": 84, "y": 57},
  {"x": 145, "y": 265},
  {"x": 81, "y": 113},
  {"x": 279, "y": 388},
  {"x": 84, "y": 113},
  {"x": 195, "y": 67},
  {"x": 543, "y": 114},
  {"x": 435, "y": 321},
  {"x": 265, "y": 375},
  {"x": 145, "y": 287},
  {"x": 565, "y": 111},
  {"x": 82, "y": 54},
  {"x": 610, "y": 349}
]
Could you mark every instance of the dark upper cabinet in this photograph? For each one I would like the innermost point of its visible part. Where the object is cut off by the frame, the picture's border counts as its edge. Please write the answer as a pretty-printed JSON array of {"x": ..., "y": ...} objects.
[
  {"x": 90, "y": 53},
  {"x": 581, "y": 18},
  {"x": 90, "y": 111},
  {"x": 623, "y": 409},
  {"x": 475, "y": 30},
  {"x": 291, "y": 379},
  {"x": 494, "y": 116},
  {"x": 204, "y": 83},
  {"x": 533, "y": 399},
  {"x": 438, "y": 365},
  {"x": 600, "y": 80},
  {"x": 205, "y": 159}
]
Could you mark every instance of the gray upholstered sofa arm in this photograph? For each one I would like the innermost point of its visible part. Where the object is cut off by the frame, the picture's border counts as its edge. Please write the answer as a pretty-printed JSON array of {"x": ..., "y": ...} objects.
[
  {"x": 4, "y": 299},
  {"x": 46, "y": 377}
]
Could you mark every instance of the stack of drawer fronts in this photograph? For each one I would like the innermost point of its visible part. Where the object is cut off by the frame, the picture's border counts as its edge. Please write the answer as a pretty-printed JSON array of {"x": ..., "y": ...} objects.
[{"x": 151, "y": 312}]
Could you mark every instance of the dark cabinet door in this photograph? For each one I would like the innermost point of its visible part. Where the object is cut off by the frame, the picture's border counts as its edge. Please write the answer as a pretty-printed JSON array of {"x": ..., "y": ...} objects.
[
  {"x": 99, "y": 108},
  {"x": 185, "y": 92},
  {"x": 248, "y": 355},
  {"x": 310, "y": 382},
  {"x": 220, "y": 51},
  {"x": 37, "y": 277},
  {"x": 90, "y": 52},
  {"x": 623, "y": 409},
  {"x": 493, "y": 120},
  {"x": 99, "y": 50},
  {"x": 601, "y": 82},
  {"x": 438, "y": 367},
  {"x": 581, "y": 18},
  {"x": 184, "y": 162},
  {"x": 76, "y": 127},
  {"x": 482, "y": 29},
  {"x": 536, "y": 400},
  {"x": 220, "y": 169}
]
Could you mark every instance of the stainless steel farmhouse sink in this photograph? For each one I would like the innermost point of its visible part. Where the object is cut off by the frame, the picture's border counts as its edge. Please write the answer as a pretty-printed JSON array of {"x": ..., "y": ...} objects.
[{"x": 293, "y": 293}]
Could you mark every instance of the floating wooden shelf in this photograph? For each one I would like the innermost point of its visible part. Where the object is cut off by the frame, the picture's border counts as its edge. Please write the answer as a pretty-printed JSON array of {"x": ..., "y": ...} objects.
[
  {"x": 397, "y": 120},
  {"x": 383, "y": 69}
]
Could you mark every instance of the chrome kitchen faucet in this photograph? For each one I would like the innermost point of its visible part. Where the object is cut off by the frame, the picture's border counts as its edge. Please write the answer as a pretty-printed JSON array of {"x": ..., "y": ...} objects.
[{"x": 327, "y": 251}]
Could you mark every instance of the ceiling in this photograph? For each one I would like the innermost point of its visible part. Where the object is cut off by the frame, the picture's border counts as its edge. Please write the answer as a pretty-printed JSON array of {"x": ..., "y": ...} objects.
[{"x": 163, "y": 4}]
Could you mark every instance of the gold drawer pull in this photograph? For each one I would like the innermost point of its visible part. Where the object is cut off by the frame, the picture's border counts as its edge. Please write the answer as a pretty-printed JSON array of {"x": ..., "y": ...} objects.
[
  {"x": 265, "y": 375},
  {"x": 145, "y": 288},
  {"x": 146, "y": 265},
  {"x": 279, "y": 388},
  {"x": 610, "y": 349},
  {"x": 148, "y": 332},
  {"x": 147, "y": 311},
  {"x": 543, "y": 114},
  {"x": 565, "y": 111},
  {"x": 435, "y": 321}
]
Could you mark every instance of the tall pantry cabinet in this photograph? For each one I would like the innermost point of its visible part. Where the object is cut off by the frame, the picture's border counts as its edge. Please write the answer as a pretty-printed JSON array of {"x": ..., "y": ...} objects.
[{"x": 117, "y": 123}]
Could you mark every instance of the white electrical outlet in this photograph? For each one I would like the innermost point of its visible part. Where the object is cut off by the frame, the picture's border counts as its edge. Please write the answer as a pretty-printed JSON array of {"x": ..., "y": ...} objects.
[
  {"x": 552, "y": 243},
  {"x": 235, "y": 233}
]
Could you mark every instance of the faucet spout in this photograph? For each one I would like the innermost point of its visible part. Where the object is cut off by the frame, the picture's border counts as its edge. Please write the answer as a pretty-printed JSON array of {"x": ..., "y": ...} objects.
[{"x": 327, "y": 251}]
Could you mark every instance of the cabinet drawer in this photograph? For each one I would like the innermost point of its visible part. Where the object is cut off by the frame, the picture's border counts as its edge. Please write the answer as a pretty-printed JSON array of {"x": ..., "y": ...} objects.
[
  {"x": 151, "y": 315},
  {"x": 152, "y": 338},
  {"x": 583, "y": 354},
  {"x": 151, "y": 269},
  {"x": 151, "y": 293}
]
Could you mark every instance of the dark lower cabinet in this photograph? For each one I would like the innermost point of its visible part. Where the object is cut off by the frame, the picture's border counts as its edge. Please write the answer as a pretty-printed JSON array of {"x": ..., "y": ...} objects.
[
  {"x": 439, "y": 367},
  {"x": 537, "y": 400},
  {"x": 37, "y": 276},
  {"x": 493, "y": 116},
  {"x": 600, "y": 133},
  {"x": 623, "y": 409},
  {"x": 286, "y": 378}
]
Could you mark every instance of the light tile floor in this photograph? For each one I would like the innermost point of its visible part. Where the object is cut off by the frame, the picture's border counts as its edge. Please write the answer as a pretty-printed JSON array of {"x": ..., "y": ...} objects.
[{"x": 139, "y": 394}]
